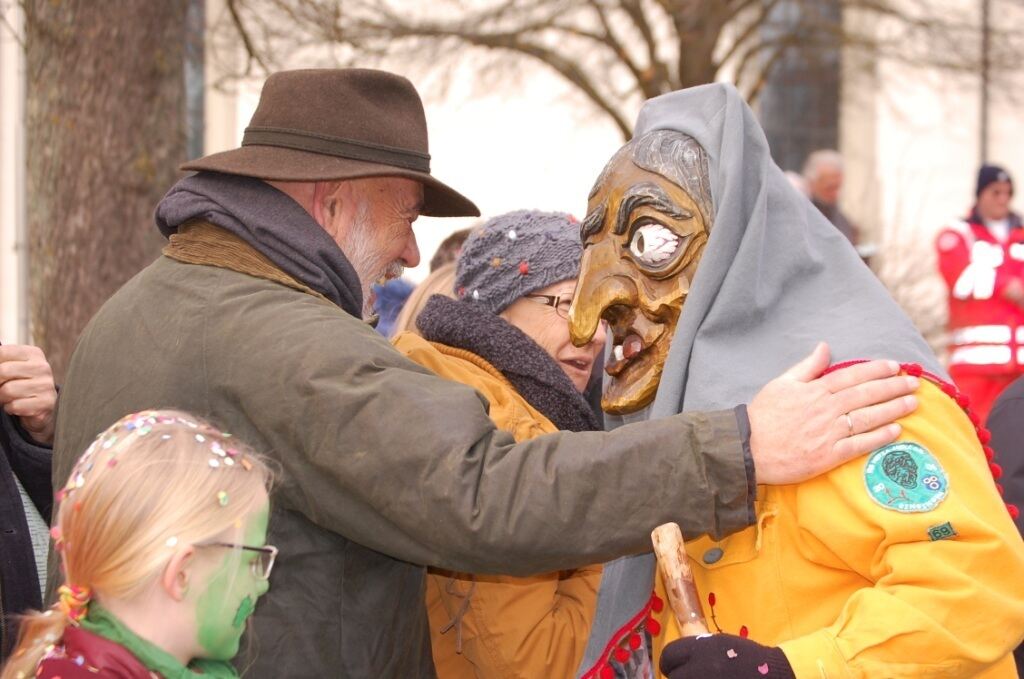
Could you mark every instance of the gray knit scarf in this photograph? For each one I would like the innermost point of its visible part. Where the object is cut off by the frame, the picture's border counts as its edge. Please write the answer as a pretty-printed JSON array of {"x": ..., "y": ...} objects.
[
  {"x": 532, "y": 372},
  {"x": 271, "y": 222}
]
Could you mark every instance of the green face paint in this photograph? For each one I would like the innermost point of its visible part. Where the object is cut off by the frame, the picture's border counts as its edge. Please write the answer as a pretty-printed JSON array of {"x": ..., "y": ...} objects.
[
  {"x": 230, "y": 595},
  {"x": 245, "y": 609}
]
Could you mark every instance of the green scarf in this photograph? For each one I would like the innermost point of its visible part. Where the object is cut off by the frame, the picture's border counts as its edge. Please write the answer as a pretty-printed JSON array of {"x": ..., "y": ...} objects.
[{"x": 102, "y": 622}]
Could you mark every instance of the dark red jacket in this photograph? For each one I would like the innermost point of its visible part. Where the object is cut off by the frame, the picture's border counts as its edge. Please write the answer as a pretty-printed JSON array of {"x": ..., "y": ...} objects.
[
  {"x": 84, "y": 655},
  {"x": 986, "y": 329}
]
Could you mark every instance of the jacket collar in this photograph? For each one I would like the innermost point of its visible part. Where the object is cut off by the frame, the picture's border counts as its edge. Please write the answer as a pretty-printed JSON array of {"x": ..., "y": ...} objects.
[
  {"x": 109, "y": 658},
  {"x": 975, "y": 219}
]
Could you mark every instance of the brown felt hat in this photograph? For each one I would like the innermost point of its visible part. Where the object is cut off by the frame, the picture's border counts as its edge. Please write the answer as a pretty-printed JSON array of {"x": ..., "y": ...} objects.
[{"x": 329, "y": 124}]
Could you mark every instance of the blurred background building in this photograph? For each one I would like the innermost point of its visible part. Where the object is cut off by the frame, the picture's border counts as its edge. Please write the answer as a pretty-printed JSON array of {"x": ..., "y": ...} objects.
[{"x": 913, "y": 98}]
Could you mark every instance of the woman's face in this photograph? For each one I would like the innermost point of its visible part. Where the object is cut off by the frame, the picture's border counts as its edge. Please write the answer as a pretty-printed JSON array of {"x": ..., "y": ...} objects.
[
  {"x": 550, "y": 329},
  {"x": 229, "y": 587}
]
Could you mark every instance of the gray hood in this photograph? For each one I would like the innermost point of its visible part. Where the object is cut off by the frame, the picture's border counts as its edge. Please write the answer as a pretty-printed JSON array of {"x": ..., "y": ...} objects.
[{"x": 775, "y": 278}]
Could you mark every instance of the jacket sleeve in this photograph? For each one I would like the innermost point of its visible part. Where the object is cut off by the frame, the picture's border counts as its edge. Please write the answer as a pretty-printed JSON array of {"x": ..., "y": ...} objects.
[
  {"x": 522, "y": 628},
  {"x": 1006, "y": 423},
  {"x": 32, "y": 463},
  {"x": 381, "y": 451},
  {"x": 953, "y": 255},
  {"x": 942, "y": 593}
]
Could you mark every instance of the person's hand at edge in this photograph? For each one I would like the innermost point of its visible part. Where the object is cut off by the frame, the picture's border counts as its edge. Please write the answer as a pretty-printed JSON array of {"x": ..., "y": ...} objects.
[
  {"x": 803, "y": 424},
  {"x": 27, "y": 390}
]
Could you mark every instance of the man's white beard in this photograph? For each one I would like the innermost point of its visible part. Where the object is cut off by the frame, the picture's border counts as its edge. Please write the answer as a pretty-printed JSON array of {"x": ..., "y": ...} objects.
[{"x": 367, "y": 259}]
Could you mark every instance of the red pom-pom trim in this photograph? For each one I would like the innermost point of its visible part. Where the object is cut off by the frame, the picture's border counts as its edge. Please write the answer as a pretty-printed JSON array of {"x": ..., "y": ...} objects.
[
  {"x": 997, "y": 471},
  {"x": 973, "y": 417},
  {"x": 622, "y": 655},
  {"x": 1014, "y": 511},
  {"x": 962, "y": 400},
  {"x": 744, "y": 632},
  {"x": 607, "y": 672},
  {"x": 984, "y": 436},
  {"x": 635, "y": 641},
  {"x": 654, "y": 627},
  {"x": 912, "y": 369},
  {"x": 657, "y": 605},
  {"x": 948, "y": 389},
  {"x": 989, "y": 453}
]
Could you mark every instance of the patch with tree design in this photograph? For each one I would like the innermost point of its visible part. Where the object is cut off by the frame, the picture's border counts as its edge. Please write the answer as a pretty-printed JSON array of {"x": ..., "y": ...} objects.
[{"x": 905, "y": 477}]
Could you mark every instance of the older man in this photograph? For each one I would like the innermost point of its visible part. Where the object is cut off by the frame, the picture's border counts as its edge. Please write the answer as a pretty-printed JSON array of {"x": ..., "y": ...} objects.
[
  {"x": 27, "y": 398},
  {"x": 253, "y": 318},
  {"x": 823, "y": 173}
]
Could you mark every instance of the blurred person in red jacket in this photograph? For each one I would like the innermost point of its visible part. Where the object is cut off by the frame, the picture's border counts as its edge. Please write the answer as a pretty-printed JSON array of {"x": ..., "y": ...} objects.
[{"x": 982, "y": 260}]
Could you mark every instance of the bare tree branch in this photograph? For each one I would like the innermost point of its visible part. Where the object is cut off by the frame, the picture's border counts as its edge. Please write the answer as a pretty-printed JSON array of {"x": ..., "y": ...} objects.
[
  {"x": 4, "y": 23},
  {"x": 614, "y": 52},
  {"x": 755, "y": 25},
  {"x": 243, "y": 33}
]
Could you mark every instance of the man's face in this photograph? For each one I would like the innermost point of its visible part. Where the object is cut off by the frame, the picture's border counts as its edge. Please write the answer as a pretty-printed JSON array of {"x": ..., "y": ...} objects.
[
  {"x": 825, "y": 187},
  {"x": 643, "y": 239},
  {"x": 994, "y": 200},
  {"x": 373, "y": 227}
]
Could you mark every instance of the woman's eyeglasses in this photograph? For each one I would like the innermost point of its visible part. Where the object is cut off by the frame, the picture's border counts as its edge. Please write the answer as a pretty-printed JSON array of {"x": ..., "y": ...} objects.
[
  {"x": 560, "y": 303},
  {"x": 261, "y": 565}
]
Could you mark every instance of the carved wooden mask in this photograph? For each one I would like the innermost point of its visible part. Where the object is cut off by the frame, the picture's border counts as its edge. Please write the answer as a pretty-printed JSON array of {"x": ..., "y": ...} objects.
[{"x": 648, "y": 221}]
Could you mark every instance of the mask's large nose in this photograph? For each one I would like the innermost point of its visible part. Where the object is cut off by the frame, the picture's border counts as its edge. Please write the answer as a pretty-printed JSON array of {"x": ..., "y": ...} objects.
[{"x": 603, "y": 281}]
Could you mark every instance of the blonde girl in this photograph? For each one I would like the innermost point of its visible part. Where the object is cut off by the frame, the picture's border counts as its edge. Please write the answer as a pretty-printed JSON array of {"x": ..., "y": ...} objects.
[{"x": 161, "y": 530}]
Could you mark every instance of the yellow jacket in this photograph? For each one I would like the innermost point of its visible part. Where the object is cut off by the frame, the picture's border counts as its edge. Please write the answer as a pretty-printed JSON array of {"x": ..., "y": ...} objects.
[
  {"x": 499, "y": 626},
  {"x": 849, "y": 588}
]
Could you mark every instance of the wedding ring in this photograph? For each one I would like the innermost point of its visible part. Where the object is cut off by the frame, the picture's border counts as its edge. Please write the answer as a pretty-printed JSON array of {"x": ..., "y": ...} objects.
[{"x": 849, "y": 424}]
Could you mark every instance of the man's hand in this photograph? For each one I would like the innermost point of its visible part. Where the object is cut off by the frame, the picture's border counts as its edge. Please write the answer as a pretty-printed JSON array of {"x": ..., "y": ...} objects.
[
  {"x": 27, "y": 390},
  {"x": 802, "y": 425},
  {"x": 725, "y": 656}
]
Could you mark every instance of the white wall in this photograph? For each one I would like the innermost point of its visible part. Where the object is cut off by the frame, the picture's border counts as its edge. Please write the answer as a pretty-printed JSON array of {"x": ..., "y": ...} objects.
[{"x": 14, "y": 326}]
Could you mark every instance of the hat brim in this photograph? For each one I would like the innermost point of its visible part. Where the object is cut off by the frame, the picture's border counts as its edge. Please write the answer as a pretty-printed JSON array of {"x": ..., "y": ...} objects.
[{"x": 291, "y": 165}]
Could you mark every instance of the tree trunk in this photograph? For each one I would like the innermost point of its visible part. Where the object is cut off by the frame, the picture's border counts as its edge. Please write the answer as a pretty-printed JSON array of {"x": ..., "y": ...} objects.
[{"x": 105, "y": 130}]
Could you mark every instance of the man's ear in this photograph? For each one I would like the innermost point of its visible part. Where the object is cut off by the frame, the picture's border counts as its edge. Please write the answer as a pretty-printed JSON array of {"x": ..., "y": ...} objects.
[
  {"x": 329, "y": 200},
  {"x": 176, "y": 575}
]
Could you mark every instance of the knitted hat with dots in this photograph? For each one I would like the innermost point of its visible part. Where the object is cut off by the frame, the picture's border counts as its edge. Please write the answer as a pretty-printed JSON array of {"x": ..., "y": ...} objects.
[{"x": 515, "y": 254}]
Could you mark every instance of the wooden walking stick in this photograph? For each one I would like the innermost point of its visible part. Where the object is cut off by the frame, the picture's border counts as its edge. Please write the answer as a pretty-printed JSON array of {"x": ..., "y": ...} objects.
[{"x": 682, "y": 592}]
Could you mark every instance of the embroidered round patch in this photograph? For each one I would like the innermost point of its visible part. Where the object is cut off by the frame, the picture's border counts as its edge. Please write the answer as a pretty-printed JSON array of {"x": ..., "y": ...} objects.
[{"x": 905, "y": 477}]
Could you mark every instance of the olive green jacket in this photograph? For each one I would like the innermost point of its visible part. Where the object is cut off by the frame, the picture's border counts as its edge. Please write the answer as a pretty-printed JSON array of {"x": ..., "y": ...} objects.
[{"x": 385, "y": 468}]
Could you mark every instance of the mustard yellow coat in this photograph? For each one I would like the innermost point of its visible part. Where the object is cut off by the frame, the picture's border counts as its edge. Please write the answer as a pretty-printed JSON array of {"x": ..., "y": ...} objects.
[
  {"x": 849, "y": 588},
  {"x": 484, "y": 627}
]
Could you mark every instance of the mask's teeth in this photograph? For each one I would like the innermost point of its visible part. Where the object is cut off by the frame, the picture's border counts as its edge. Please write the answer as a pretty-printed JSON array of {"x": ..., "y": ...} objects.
[{"x": 617, "y": 352}]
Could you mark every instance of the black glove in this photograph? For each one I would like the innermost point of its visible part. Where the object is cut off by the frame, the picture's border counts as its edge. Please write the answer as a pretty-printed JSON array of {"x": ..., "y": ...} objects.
[{"x": 724, "y": 656}]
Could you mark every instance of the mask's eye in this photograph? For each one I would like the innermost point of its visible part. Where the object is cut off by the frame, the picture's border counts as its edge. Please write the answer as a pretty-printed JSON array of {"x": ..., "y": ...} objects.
[{"x": 653, "y": 244}]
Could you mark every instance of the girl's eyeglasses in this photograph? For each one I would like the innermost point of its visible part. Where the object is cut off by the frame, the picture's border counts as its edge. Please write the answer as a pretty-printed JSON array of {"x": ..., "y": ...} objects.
[
  {"x": 262, "y": 565},
  {"x": 560, "y": 303}
]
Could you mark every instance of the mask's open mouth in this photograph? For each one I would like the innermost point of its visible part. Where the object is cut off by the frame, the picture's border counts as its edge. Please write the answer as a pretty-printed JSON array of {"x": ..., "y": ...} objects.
[{"x": 625, "y": 349}]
